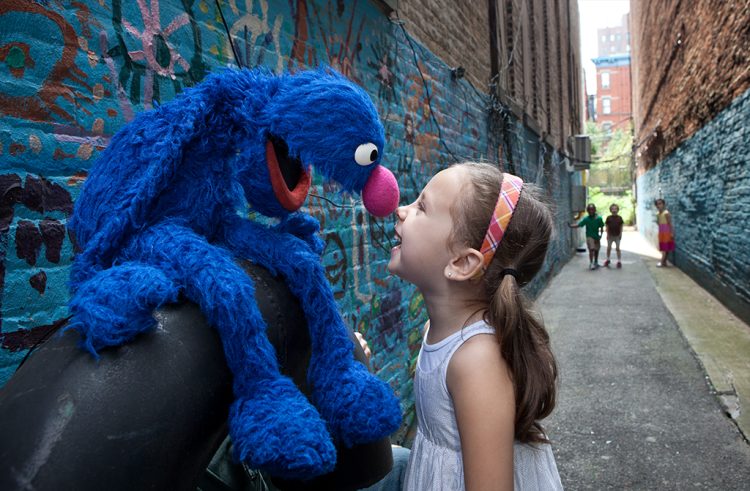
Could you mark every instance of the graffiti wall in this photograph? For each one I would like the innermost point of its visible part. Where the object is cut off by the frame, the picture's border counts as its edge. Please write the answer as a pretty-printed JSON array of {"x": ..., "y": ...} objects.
[{"x": 73, "y": 72}]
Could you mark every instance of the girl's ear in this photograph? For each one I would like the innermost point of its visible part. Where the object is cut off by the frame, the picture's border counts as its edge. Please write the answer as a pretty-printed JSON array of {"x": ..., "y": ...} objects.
[{"x": 466, "y": 265}]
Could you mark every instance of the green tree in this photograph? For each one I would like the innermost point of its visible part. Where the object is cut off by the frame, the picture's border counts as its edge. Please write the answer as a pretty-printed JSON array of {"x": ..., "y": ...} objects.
[{"x": 611, "y": 155}]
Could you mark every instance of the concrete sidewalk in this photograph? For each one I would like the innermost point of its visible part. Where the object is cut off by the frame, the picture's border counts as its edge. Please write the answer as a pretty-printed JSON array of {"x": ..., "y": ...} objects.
[{"x": 636, "y": 408}]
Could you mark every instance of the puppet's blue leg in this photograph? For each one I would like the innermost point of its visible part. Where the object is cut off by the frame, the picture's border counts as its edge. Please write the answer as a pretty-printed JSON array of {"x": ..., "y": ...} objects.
[
  {"x": 115, "y": 305},
  {"x": 272, "y": 424},
  {"x": 357, "y": 405}
]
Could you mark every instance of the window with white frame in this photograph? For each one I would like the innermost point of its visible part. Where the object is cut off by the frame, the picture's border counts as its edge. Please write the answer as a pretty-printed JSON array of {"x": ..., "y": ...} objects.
[
  {"x": 605, "y": 80},
  {"x": 606, "y": 105}
]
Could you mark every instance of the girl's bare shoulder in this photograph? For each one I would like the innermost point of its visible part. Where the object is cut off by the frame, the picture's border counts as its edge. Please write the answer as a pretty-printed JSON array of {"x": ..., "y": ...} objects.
[{"x": 478, "y": 357}]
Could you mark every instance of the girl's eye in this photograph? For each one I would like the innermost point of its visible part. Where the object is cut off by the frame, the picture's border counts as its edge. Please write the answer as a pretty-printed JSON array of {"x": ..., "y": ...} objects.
[
  {"x": 366, "y": 154},
  {"x": 420, "y": 205}
]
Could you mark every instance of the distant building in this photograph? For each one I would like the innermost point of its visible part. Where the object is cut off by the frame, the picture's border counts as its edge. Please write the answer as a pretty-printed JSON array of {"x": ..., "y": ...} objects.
[
  {"x": 613, "y": 40},
  {"x": 613, "y": 109},
  {"x": 590, "y": 107},
  {"x": 613, "y": 104}
]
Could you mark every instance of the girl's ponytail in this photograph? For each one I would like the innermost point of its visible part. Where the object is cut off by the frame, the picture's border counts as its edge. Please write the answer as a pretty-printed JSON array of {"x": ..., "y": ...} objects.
[{"x": 524, "y": 345}]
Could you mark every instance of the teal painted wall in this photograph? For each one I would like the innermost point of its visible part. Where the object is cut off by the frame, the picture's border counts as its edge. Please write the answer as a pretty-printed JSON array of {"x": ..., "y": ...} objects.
[{"x": 706, "y": 184}]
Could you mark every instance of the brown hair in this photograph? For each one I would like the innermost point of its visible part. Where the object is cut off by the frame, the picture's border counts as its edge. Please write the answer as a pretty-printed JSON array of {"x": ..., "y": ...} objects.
[{"x": 524, "y": 342}]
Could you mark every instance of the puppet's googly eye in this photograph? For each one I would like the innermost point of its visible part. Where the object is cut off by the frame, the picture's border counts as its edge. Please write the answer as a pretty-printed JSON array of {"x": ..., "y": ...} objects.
[{"x": 366, "y": 154}]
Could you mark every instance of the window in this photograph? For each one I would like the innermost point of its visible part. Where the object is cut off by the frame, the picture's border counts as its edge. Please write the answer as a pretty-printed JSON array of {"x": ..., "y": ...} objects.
[
  {"x": 611, "y": 37},
  {"x": 607, "y": 126},
  {"x": 604, "y": 37},
  {"x": 606, "y": 105},
  {"x": 605, "y": 80}
]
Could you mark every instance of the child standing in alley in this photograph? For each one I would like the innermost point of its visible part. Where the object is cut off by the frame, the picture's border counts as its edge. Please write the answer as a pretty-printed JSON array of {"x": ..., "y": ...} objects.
[
  {"x": 594, "y": 227},
  {"x": 666, "y": 235},
  {"x": 485, "y": 375},
  {"x": 613, "y": 224}
]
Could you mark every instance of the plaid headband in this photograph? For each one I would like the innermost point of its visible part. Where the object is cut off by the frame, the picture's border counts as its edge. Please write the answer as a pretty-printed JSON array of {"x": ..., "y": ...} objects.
[{"x": 510, "y": 191}]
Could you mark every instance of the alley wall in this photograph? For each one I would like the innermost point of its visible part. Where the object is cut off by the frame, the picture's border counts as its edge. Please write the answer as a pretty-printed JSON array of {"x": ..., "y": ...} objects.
[
  {"x": 691, "y": 107},
  {"x": 73, "y": 73}
]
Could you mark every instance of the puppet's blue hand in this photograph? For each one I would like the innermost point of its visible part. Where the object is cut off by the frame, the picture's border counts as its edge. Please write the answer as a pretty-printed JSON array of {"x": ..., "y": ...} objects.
[
  {"x": 116, "y": 304},
  {"x": 275, "y": 428},
  {"x": 304, "y": 227},
  {"x": 358, "y": 406}
]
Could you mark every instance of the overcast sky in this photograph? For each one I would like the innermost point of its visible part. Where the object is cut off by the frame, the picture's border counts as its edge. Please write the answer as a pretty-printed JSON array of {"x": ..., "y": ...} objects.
[{"x": 597, "y": 14}]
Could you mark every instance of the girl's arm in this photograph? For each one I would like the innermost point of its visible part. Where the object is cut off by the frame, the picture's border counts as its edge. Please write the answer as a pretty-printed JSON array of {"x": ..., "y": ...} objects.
[{"x": 480, "y": 384}]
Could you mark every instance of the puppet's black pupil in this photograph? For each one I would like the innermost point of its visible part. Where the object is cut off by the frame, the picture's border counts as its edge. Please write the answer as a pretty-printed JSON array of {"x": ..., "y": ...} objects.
[
  {"x": 374, "y": 155},
  {"x": 291, "y": 169}
]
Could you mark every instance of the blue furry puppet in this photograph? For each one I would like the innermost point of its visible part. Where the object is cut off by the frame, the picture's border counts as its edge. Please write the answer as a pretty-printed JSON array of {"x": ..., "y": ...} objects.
[{"x": 162, "y": 214}]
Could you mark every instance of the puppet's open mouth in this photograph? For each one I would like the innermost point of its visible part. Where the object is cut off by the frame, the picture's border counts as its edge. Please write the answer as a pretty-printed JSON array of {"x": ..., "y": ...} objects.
[{"x": 289, "y": 178}]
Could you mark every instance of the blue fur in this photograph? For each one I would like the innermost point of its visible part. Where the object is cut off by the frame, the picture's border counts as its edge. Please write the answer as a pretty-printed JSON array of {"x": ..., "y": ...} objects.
[{"x": 161, "y": 214}]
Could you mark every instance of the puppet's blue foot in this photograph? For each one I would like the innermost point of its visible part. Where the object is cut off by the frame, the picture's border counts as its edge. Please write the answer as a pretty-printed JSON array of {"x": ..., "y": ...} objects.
[
  {"x": 358, "y": 407},
  {"x": 116, "y": 304},
  {"x": 278, "y": 430}
]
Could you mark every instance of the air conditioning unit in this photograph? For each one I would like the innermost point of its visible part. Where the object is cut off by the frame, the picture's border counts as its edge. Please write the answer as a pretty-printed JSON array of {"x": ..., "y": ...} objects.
[{"x": 581, "y": 152}]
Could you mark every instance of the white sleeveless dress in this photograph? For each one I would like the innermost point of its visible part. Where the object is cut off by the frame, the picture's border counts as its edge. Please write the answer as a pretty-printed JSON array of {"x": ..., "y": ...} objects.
[{"x": 435, "y": 463}]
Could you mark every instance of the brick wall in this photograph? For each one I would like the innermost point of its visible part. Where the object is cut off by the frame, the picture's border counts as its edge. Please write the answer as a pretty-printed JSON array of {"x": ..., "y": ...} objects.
[
  {"x": 72, "y": 77},
  {"x": 691, "y": 107},
  {"x": 456, "y": 31},
  {"x": 690, "y": 61}
]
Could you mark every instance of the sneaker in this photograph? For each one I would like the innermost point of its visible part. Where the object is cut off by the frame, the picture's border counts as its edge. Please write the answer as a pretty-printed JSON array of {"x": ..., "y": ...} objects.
[
  {"x": 592, "y": 266},
  {"x": 606, "y": 263},
  {"x": 619, "y": 265},
  {"x": 596, "y": 266},
  {"x": 659, "y": 265}
]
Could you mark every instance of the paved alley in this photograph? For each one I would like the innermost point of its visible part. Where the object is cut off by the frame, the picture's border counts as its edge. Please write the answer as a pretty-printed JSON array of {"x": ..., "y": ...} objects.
[{"x": 636, "y": 409}]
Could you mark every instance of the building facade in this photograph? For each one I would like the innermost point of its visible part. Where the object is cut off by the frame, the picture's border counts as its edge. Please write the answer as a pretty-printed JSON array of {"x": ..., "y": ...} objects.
[
  {"x": 613, "y": 105},
  {"x": 616, "y": 39},
  {"x": 613, "y": 91},
  {"x": 691, "y": 101},
  {"x": 496, "y": 80}
]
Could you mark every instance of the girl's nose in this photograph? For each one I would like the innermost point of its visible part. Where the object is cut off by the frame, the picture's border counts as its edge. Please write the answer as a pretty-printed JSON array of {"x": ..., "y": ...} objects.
[{"x": 401, "y": 213}]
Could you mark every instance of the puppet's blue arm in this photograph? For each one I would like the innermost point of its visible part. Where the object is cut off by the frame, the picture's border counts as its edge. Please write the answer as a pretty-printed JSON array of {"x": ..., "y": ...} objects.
[
  {"x": 357, "y": 405},
  {"x": 272, "y": 424}
]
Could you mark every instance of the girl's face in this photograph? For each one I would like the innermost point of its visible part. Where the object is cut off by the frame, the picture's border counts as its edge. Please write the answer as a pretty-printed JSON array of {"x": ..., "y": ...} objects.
[
  {"x": 614, "y": 210},
  {"x": 660, "y": 205},
  {"x": 423, "y": 229}
]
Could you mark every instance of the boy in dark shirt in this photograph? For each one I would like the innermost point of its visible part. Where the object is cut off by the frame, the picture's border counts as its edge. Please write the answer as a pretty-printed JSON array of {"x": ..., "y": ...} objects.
[
  {"x": 613, "y": 224},
  {"x": 594, "y": 226}
]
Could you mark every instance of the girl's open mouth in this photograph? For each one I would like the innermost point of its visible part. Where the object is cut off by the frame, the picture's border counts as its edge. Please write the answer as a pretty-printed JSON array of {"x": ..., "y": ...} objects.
[
  {"x": 289, "y": 178},
  {"x": 397, "y": 241}
]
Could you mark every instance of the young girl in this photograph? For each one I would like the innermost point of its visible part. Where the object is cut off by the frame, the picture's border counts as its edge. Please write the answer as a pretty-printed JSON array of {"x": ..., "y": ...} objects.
[
  {"x": 666, "y": 236},
  {"x": 485, "y": 374}
]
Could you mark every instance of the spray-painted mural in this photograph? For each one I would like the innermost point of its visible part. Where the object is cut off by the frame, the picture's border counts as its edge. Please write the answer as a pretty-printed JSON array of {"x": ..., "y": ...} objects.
[{"x": 72, "y": 73}]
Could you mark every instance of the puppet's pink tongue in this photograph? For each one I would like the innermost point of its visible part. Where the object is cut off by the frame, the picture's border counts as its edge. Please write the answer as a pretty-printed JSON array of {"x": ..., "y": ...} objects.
[{"x": 381, "y": 192}]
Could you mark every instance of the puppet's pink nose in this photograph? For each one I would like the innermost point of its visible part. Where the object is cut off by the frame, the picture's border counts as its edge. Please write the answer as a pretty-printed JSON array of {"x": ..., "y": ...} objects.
[{"x": 381, "y": 192}]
